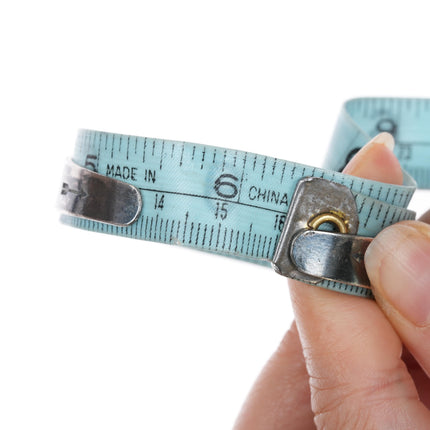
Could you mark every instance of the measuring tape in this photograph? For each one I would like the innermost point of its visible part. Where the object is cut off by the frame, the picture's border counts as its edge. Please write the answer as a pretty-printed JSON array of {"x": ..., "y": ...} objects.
[{"x": 246, "y": 205}]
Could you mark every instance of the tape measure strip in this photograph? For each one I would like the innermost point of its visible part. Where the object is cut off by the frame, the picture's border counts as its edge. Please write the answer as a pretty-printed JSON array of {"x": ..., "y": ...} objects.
[
  {"x": 234, "y": 202},
  {"x": 408, "y": 120}
]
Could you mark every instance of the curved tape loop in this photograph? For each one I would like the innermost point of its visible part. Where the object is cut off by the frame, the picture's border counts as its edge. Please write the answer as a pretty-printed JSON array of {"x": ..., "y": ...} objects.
[{"x": 235, "y": 203}]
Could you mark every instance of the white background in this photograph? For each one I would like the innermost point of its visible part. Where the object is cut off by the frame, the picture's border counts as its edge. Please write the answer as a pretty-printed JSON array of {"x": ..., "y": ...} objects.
[{"x": 101, "y": 332}]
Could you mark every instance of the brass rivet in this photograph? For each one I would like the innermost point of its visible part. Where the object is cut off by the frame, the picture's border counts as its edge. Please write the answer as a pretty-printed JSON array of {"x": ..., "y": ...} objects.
[{"x": 330, "y": 217}]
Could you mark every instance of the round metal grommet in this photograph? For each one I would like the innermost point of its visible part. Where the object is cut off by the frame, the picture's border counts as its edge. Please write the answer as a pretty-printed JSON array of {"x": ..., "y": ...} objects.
[{"x": 332, "y": 218}]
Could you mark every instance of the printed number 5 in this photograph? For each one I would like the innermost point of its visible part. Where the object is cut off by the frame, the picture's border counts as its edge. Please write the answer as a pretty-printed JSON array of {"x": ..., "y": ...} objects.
[{"x": 90, "y": 162}]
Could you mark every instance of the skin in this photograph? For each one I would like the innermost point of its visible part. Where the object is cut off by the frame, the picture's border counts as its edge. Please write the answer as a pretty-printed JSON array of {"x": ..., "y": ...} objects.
[{"x": 348, "y": 362}]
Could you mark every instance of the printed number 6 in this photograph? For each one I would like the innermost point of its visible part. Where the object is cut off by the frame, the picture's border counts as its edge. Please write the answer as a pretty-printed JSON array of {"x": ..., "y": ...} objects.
[{"x": 225, "y": 186}]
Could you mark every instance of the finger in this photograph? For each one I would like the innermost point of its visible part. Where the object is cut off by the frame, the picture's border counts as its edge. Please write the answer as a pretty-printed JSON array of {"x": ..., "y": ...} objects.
[
  {"x": 425, "y": 217},
  {"x": 398, "y": 264},
  {"x": 352, "y": 354},
  {"x": 376, "y": 161},
  {"x": 280, "y": 398},
  {"x": 272, "y": 402},
  {"x": 421, "y": 380}
]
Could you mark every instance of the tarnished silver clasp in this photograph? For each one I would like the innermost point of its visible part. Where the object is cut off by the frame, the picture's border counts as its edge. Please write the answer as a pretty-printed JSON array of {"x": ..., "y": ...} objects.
[
  {"x": 310, "y": 255},
  {"x": 89, "y": 195}
]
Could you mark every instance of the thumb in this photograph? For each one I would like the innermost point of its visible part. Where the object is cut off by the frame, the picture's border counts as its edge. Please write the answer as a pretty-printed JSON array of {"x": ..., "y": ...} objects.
[
  {"x": 352, "y": 353},
  {"x": 398, "y": 265}
]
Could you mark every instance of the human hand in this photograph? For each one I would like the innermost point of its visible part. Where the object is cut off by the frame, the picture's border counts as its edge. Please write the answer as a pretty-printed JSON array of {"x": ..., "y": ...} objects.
[{"x": 353, "y": 363}]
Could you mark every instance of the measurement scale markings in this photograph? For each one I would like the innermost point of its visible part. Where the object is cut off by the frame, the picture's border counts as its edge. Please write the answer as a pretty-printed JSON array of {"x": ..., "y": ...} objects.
[
  {"x": 368, "y": 214},
  {"x": 112, "y": 149},
  {"x": 213, "y": 198},
  {"x": 198, "y": 233},
  {"x": 293, "y": 171},
  {"x": 191, "y": 232},
  {"x": 162, "y": 155},
  {"x": 182, "y": 155},
  {"x": 203, "y": 158},
  {"x": 378, "y": 205},
  {"x": 231, "y": 239},
  {"x": 242, "y": 177},
  {"x": 264, "y": 168},
  {"x": 144, "y": 151},
  {"x": 204, "y": 235},
  {"x": 283, "y": 172},
  {"x": 223, "y": 161},
  {"x": 210, "y": 239},
  {"x": 274, "y": 166},
  {"x": 165, "y": 230},
  {"x": 98, "y": 151},
  {"x": 155, "y": 227},
  {"x": 171, "y": 231},
  {"x": 185, "y": 227}
]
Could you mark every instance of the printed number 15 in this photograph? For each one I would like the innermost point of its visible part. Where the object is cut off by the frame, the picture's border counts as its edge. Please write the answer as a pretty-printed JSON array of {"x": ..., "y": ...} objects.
[{"x": 221, "y": 210}]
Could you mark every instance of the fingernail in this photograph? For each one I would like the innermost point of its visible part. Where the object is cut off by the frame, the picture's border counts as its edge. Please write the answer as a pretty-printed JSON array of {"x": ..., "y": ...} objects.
[
  {"x": 398, "y": 265},
  {"x": 385, "y": 139}
]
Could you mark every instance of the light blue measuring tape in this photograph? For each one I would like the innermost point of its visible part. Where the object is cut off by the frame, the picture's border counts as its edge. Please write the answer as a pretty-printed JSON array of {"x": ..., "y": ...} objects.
[{"x": 250, "y": 206}]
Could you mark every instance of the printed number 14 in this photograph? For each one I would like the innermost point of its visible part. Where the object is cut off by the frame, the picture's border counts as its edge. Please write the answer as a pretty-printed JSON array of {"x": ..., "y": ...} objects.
[{"x": 159, "y": 201}]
